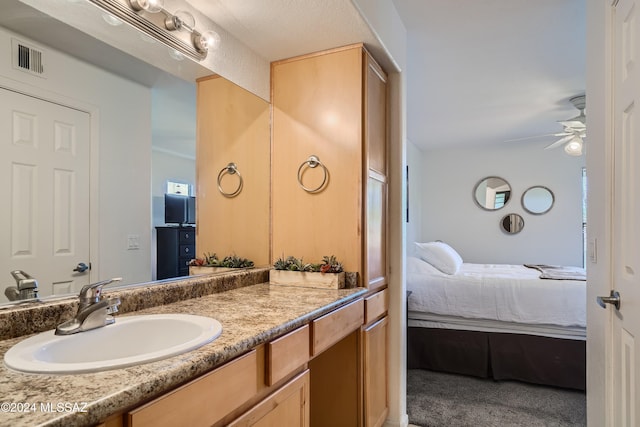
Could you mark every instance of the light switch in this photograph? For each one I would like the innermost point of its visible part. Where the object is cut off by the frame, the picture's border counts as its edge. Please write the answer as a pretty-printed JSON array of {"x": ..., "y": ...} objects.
[{"x": 133, "y": 242}]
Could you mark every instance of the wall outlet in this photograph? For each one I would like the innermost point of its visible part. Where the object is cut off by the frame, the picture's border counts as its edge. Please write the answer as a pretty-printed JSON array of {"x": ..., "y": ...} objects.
[{"x": 133, "y": 242}]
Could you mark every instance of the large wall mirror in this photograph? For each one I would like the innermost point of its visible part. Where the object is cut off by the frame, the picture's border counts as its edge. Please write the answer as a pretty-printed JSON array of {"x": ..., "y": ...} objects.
[
  {"x": 537, "y": 200},
  {"x": 492, "y": 193},
  {"x": 130, "y": 139}
]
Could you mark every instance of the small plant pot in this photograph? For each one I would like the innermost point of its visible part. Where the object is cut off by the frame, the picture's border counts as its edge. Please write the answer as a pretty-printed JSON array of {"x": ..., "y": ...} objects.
[
  {"x": 195, "y": 270},
  {"x": 307, "y": 279}
]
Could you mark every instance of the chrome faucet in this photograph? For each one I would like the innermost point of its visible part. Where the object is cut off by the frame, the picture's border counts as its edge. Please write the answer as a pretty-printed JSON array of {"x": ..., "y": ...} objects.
[
  {"x": 26, "y": 287},
  {"x": 93, "y": 310}
]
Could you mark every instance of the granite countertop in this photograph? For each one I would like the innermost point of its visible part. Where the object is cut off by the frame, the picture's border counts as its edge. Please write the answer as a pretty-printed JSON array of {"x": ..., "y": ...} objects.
[{"x": 249, "y": 315}]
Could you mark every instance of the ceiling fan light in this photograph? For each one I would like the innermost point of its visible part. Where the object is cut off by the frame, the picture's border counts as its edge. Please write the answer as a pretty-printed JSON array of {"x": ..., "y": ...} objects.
[{"x": 574, "y": 147}]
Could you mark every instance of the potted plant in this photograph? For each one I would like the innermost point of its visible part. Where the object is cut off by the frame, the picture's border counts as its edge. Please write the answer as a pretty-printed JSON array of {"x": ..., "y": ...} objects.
[
  {"x": 210, "y": 263},
  {"x": 328, "y": 274}
]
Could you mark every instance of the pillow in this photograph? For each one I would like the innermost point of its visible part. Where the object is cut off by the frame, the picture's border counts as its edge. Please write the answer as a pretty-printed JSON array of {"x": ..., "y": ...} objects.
[{"x": 440, "y": 255}]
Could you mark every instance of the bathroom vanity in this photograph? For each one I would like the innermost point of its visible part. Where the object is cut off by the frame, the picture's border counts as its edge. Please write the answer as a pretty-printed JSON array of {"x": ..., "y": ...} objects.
[{"x": 276, "y": 342}]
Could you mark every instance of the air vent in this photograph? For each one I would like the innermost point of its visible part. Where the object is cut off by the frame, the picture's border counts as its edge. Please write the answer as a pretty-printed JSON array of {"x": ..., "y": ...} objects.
[{"x": 28, "y": 58}]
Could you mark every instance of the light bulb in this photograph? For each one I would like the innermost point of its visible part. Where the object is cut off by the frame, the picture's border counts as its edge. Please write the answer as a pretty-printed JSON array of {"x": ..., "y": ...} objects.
[
  {"x": 574, "y": 147},
  {"x": 207, "y": 41},
  {"x": 152, "y": 6}
]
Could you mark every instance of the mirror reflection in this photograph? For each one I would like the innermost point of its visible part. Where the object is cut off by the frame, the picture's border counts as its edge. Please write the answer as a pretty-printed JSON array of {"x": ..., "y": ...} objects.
[
  {"x": 492, "y": 193},
  {"x": 512, "y": 223},
  {"x": 128, "y": 129},
  {"x": 537, "y": 200}
]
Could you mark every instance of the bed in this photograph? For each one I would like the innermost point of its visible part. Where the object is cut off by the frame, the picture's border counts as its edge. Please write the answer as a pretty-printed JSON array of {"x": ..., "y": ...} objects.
[{"x": 495, "y": 321}]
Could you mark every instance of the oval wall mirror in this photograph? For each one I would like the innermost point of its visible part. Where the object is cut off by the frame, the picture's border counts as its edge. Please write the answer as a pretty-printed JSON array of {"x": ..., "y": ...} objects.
[
  {"x": 512, "y": 223},
  {"x": 537, "y": 200},
  {"x": 492, "y": 193}
]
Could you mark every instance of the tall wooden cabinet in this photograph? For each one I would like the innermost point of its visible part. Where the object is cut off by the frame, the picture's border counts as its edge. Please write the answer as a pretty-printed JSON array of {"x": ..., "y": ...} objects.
[{"x": 332, "y": 105}]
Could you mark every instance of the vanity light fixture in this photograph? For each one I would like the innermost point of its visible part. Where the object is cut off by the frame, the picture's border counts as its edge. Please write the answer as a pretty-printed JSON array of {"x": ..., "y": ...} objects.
[{"x": 176, "y": 30}]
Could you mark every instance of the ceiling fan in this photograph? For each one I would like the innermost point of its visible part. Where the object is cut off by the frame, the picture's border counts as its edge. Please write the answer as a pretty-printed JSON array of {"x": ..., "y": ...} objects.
[{"x": 574, "y": 130}]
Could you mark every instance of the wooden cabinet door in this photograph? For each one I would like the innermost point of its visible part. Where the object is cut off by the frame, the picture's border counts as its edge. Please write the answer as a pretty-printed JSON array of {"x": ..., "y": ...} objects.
[
  {"x": 376, "y": 405},
  {"x": 317, "y": 110},
  {"x": 289, "y": 406},
  {"x": 375, "y": 115},
  {"x": 375, "y": 144}
]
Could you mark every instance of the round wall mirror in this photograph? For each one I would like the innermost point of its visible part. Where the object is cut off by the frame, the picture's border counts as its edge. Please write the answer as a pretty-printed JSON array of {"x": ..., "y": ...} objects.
[
  {"x": 537, "y": 200},
  {"x": 492, "y": 193},
  {"x": 512, "y": 223}
]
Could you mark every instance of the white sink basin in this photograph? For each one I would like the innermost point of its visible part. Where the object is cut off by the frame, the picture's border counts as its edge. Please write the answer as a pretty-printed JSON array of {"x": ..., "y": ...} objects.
[{"x": 129, "y": 341}]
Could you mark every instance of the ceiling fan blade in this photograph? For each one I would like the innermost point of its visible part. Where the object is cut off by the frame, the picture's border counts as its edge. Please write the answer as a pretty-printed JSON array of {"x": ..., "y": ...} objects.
[
  {"x": 560, "y": 142},
  {"x": 531, "y": 137},
  {"x": 573, "y": 124}
]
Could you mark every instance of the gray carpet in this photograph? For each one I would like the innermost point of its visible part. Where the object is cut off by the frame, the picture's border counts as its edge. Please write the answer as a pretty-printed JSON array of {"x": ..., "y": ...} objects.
[{"x": 437, "y": 399}]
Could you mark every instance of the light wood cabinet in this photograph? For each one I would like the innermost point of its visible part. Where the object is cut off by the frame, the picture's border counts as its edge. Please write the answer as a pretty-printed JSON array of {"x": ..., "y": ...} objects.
[
  {"x": 271, "y": 384},
  {"x": 375, "y": 354},
  {"x": 233, "y": 126},
  {"x": 205, "y": 400},
  {"x": 287, "y": 353},
  {"x": 332, "y": 105},
  {"x": 331, "y": 328},
  {"x": 289, "y": 406}
]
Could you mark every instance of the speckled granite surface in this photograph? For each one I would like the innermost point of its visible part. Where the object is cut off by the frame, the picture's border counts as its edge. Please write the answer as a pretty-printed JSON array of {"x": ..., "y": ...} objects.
[
  {"x": 29, "y": 318},
  {"x": 250, "y": 315}
]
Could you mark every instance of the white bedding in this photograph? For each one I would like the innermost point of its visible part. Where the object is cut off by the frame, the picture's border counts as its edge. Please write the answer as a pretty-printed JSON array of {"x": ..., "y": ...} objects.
[{"x": 509, "y": 293}]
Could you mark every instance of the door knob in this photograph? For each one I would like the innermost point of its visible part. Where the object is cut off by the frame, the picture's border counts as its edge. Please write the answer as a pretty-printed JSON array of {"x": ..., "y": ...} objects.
[
  {"x": 82, "y": 267},
  {"x": 613, "y": 299}
]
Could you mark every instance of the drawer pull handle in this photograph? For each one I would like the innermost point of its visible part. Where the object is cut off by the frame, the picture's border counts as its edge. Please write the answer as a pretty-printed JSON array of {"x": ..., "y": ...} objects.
[
  {"x": 313, "y": 161},
  {"x": 230, "y": 169}
]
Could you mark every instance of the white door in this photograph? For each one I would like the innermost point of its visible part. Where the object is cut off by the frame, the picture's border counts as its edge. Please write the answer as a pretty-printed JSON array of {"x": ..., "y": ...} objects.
[
  {"x": 44, "y": 216},
  {"x": 625, "y": 265}
]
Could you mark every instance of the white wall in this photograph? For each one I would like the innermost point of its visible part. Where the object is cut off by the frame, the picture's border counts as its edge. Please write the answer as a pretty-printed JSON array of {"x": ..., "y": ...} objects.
[
  {"x": 414, "y": 196},
  {"x": 449, "y": 212},
  {"x": 121, "y": 129}
]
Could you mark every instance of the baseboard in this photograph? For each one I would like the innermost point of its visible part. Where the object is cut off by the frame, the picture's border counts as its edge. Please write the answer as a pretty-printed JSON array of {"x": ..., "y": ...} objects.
[{"x": 402, "y": 422}]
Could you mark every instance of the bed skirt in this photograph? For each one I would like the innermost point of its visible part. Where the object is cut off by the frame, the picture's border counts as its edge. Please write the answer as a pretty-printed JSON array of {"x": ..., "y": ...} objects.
[{"x": 501, "y": 356}]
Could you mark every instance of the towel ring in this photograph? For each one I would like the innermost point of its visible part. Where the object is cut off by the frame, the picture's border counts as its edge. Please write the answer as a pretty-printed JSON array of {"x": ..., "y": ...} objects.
[
  {"x": 230, "y": 169},
  {"x": 313, "y": 161}
]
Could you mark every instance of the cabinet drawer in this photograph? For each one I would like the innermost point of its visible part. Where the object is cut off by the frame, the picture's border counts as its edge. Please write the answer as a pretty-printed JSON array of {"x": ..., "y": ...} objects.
[
  {"x": 287, "y": 353},
  {"x": 332, "y": 327},
  {"x": 187, "y": 237},
  {"x": 187, "y": 251},
  {"x": 375, "y": 306},
  {"x": 205, "y": 400}
]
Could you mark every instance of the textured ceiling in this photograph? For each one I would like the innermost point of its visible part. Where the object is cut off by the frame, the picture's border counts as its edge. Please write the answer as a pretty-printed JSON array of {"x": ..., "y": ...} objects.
[{"x": 482, "y": 72}]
